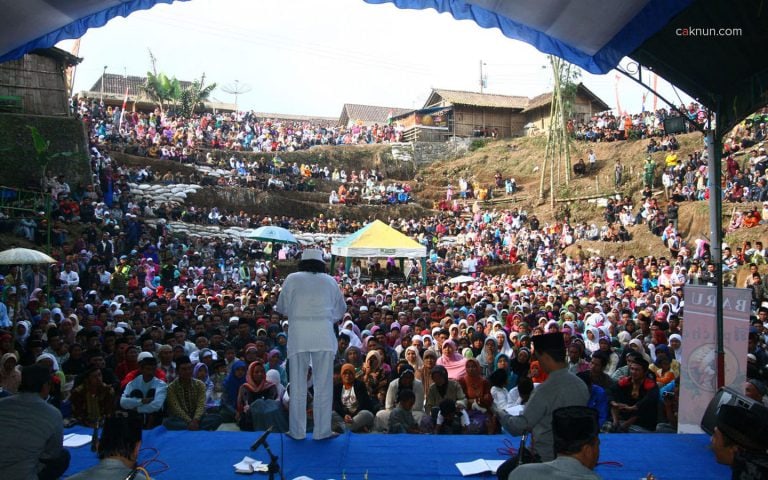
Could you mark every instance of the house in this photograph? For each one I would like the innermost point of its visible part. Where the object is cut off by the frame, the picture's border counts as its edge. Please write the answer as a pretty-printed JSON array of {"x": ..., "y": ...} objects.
[
  {"x": 36, "y": 83},
  {"x": 586, "y": 104},
  {"x": 111, "y": 87},
  {"x": 448, "y": 113},
  {"x": 367, "y": 115}
]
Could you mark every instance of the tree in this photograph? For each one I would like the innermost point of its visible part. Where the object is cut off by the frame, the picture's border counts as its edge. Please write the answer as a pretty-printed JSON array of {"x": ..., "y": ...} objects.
[
  {"x": 194, "y": 96},
  {"x": 164, "y": 91},
  {"x": 43, "y": 154}
]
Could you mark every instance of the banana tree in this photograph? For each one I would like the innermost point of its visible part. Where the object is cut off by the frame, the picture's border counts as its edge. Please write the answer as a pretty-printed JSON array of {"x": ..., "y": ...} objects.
[
  {"x": 164, "y": 91},
  {"x": 43, "y": 154}
]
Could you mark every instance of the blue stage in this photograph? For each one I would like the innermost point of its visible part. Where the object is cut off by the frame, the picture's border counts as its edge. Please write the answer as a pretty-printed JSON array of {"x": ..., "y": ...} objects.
[{"x": 206, "y": 455}]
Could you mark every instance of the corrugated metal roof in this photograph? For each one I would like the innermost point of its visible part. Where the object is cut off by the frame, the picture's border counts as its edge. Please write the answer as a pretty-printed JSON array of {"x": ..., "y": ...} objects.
[
  {"x": 371, "y": 113},
  {"x": 458, "y": 97}
]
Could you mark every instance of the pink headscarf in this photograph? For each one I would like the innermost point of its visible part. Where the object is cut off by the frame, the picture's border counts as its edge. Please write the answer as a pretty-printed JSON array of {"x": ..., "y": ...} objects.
[{"x": 454, "y": 363}]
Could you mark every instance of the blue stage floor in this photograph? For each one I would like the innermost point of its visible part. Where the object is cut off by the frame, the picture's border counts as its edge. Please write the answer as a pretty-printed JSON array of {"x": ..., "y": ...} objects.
[{"x": 211, "y": 455}]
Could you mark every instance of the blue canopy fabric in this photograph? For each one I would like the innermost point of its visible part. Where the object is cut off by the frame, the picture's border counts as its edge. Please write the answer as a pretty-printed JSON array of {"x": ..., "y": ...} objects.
[
  {"x": 592, "y": 34},
  {"x": 725, "y": 73},
  {"x": 28, "y": 25}
]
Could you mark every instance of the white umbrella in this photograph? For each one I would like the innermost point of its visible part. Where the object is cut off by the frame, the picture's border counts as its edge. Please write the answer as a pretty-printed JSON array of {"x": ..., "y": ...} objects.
[
  {"x": 270, "y": 233},
  {"x": 24, "y": 256},
  {"x": 462, "y": 279}
]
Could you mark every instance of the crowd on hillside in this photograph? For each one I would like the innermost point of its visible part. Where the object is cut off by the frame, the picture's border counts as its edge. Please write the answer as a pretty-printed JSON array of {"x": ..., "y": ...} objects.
[
  {"x": 130, "y": 306},
  {"x": 161, "y": 135},
  {"x": 610, "y": 127}
]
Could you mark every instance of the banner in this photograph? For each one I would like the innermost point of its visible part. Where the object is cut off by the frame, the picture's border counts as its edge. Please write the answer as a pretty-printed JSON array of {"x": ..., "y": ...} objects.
[
  {"x": 433, "y": 119},
  {"x": 698, "y": 374}
]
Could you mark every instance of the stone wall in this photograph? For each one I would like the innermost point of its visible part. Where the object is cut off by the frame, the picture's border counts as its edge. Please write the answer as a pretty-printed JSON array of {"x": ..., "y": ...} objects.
[
  {"x": 19, "y": 168},
  {"x": 424, "y": 153}
]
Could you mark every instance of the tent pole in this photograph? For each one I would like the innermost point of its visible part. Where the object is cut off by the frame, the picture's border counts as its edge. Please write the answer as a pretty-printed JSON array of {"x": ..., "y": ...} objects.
[
  {"x": 333, "y": 264},
  {"x": 714, "y": 149},
  {"x": 424, "y": 271},
  {"x": 347, "y": 265}
]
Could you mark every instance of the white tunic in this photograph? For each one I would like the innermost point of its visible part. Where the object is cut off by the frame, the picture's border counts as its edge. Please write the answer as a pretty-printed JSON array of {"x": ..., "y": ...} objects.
[{"x": 313, "y": 303}]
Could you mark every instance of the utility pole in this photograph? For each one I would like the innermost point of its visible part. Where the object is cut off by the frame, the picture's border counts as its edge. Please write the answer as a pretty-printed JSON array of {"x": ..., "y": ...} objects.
[
  {"x": 482, "y": 77},
  {"x": 103, "y": 74}
]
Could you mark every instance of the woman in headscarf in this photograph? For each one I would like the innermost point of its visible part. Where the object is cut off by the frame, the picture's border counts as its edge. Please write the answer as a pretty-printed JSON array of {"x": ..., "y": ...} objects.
[
  {"x": 452, "y": 361},
  {"x": 275, "y": 362},
  {"x": 353, "y": 409},
  {"x": 477, "y": 341},
  {"x": 415, "y": 361},
  {"x": 10, "y": 373},
  {"x": 232, "y": 384},
  {"x": 258, "y": 406},
  {"x": 57, "y": 377},
  {"x": 521, "y": 363},
  {"x": 281, "y": 342},
  {"x": 375, "y": 378},
  {"x": 537, "y": 374},
  {"x": 637, "y": 345},
  {"x": 501, "y": 362},
  {"x": 478, "y": 392},
  {"x": 613, "y": 358},
  {"x": 592, "y": 340},
  {"x": 200, "y": 372},
  {"x": 442, "y": 388},
  {"x": 354, "y": 356},
  {"x": 503, "y": 343},
  {"x": 676, "y": 347},
  {"x": 92, "y": 400},
  {"x": 487, "y": 357},
  {"x": 429, "y": 362},
  {"x": 273, "y": 376}
]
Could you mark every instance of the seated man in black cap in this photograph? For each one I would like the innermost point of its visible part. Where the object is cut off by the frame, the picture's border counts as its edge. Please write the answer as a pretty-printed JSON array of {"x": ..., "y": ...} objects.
[
  {"x": 740, "y": 440},
  {"x": 561, "y": 389},
  {"x": 577, "y": 446},
  {"x": 635, "y": 400},
  {"x": 31, "y": 430}
]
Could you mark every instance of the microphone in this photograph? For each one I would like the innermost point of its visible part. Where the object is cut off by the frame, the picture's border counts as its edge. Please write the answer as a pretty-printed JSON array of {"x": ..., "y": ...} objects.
[{"x": 262, "y": 439}]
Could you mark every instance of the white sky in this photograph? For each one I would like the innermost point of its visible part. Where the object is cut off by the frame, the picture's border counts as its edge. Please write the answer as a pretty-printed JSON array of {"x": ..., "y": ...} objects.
[{"x": 311, "y": 56}]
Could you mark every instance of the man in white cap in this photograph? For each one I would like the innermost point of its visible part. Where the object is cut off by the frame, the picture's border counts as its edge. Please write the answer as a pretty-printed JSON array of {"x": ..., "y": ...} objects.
[{"x": 313, "y": 303}]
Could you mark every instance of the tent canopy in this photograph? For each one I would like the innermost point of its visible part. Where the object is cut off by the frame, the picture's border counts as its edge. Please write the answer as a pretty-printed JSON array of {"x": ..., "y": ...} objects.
[
  {"x": 377, "y": 239},
  {"x": 723, "y": 71}
]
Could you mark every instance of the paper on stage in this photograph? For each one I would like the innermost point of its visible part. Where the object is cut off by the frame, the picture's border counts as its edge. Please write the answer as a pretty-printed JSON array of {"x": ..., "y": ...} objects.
[
  {"x": 479, "y": 466},
  {"x": 250, "y": 465},
  {"x": 74, "y": 440}
]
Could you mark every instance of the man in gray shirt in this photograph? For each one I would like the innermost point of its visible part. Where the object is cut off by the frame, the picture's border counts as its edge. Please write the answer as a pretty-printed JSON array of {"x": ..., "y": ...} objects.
[
  {"x": 31, "y": 431},
  {"x": 560, "y": 389}
]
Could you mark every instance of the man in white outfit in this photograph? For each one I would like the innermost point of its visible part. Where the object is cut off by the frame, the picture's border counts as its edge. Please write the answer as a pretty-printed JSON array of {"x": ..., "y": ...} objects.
[{"x": 313, "y": 303}]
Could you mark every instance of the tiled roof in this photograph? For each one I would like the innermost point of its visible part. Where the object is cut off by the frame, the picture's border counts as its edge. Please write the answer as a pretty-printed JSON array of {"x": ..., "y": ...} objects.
[
  {"x": 458, "y": 97},
  {"x": 114, "y": 84},
  {"x": 370, "y": 113}
]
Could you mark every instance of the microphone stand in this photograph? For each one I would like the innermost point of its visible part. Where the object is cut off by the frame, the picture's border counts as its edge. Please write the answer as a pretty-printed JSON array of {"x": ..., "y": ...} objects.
[{"x": 274, "y": 465}]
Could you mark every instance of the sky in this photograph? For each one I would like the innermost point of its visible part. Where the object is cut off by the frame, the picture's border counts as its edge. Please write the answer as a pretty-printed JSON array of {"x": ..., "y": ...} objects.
[{"x": 309, "y": 57}]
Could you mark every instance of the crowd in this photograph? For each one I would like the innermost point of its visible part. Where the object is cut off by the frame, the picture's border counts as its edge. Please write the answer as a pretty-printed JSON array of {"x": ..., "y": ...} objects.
[
  {"x": 609, "y": 127},
  {"x": 184, "y": 331},
  {"x": 160, "y": 135}
]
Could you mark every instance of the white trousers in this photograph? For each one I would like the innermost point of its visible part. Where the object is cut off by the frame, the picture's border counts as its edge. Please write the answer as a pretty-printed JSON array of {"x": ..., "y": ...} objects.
[{"x": 322, "y": 406}]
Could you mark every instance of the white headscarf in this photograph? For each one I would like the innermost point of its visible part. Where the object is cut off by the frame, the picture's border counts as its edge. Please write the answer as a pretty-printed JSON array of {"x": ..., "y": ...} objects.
[{"x": 51, "y": 357}]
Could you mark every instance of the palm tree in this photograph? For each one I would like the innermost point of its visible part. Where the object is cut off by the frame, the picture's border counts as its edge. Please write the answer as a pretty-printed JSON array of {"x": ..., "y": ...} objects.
[{"x": 194, "y": 96}]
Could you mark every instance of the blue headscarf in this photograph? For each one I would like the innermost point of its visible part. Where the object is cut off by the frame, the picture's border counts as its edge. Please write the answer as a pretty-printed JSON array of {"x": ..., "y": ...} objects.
[
  {"x": 512, "y": 377},
  {"x": 232, "y": 384}
]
